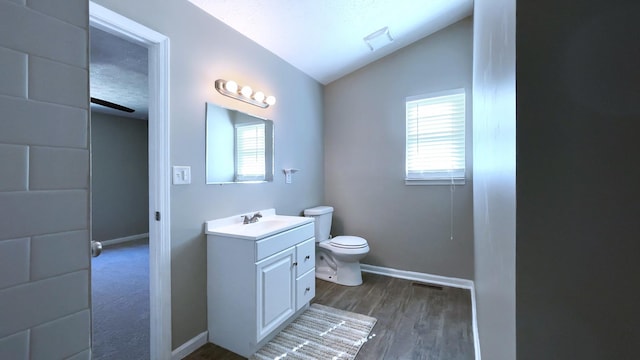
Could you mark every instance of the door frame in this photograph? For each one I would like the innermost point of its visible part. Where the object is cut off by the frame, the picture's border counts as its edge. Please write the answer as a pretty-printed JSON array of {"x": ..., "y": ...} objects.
[{"x": 159, "y": 174}]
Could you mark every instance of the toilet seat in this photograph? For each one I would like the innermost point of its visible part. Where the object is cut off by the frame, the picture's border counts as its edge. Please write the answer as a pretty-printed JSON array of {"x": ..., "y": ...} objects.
[
  {"x": 348, "y": 242},
  {"x": 346, "y": 245}
]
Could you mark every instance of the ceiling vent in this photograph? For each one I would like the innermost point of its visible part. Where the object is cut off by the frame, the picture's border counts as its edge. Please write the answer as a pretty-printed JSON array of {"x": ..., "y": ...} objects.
[{"x": 378, "y": 39}]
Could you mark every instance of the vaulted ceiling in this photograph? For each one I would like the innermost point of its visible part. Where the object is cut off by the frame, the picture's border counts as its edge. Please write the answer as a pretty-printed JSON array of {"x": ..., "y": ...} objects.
[{"x": 322, "y": 38}]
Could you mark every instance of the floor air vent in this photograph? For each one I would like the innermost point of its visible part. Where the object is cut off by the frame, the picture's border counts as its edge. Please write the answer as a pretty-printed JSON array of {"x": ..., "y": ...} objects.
[{"x": 425, "y": 285}]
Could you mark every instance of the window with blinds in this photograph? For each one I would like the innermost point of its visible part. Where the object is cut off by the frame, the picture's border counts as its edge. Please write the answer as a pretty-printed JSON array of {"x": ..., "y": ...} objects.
[
  {"x": 250, "y": 152},
  {"x": 435, "y": 144}
]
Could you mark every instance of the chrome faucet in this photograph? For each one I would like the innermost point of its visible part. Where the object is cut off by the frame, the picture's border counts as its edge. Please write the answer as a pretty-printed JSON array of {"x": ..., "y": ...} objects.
[{"x": 253, "y": 219}]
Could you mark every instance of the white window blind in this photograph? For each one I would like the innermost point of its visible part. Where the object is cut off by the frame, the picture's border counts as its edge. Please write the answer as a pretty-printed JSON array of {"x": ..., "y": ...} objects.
[
  {"x": 250, "y": 152},
  {"x": 435, "y": 144}
]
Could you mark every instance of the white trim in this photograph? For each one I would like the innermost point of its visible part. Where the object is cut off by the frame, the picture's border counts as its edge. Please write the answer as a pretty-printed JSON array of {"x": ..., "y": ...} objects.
[
  {"x": 190, "y": 346},
  {"x": 474, "y": 317},
  {"x": 438, "y": 94},
  {"x": 124, "y": 239},
  {"x": 439, "y": 280},
  {"x": 411, "y": 275},
  {"x": 448, "y": 181},
  {"x": 159, "y": 174}
]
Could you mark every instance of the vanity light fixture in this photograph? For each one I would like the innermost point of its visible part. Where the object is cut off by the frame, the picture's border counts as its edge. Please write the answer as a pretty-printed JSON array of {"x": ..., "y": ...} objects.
[{"x": 244, "y": 93}]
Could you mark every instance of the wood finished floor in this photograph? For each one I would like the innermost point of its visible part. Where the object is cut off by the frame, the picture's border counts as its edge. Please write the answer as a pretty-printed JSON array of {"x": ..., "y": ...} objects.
[{"x": 414, "y": 321}]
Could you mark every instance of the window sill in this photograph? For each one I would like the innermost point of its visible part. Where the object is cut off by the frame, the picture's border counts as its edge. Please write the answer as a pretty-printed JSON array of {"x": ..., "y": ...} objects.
[{"x": 442, "y": 181}]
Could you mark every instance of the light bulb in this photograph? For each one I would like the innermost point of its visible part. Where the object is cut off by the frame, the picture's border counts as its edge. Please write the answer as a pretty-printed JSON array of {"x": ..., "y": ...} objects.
[
  {"x": 246, "y": 91},
  {"x": 258, "y": 96},
  {"x": 231, "y": 86},
  {"x": 270, "y": 100}
]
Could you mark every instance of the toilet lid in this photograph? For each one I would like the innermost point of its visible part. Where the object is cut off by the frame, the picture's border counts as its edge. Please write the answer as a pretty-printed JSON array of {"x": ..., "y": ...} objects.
[{"x": 348, "y": 242}]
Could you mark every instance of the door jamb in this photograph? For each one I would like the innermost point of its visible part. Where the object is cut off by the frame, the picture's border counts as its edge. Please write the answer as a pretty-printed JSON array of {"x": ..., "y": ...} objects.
[{"x": 159, "y": 174}]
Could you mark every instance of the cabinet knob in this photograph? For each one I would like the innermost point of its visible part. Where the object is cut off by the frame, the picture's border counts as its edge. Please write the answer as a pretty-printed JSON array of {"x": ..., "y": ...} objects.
[
  {"x": 295, "y": 263},
  {"x": 307, "y": 290},
  {"x": 307, "y": 257}
]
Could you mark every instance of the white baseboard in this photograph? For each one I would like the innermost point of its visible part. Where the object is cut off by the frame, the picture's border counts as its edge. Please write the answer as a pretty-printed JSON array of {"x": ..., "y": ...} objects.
[
  {"x": 474, "y": 317},
  {"x": 190, "y": 346},
  {"x": 411, "y": 275},
  {"x": 124, "y": 239},
  {"x": 439, "y": 280}
]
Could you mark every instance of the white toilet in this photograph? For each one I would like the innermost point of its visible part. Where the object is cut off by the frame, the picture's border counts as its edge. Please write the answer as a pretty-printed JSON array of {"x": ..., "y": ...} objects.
[{"x": 338, "y": 258}]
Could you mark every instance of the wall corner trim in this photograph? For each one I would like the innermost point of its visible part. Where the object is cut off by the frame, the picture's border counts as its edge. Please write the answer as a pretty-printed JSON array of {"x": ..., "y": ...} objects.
[
  {"x": 439, "y": 280},
  {"x": 190, "y": 346}
]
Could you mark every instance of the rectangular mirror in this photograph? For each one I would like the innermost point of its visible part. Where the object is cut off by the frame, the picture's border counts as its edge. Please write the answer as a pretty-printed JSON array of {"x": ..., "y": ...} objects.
[{"x": 239, "y": 147}]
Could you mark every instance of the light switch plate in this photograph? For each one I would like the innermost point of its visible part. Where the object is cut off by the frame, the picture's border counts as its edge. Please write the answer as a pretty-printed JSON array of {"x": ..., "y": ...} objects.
[{"x": 181, "y": 175}]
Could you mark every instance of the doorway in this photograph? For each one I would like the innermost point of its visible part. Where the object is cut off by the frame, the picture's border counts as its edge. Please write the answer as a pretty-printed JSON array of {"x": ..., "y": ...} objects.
[
  {"x": 119, "y": 197},
  {"x": 158, "y": 170}
]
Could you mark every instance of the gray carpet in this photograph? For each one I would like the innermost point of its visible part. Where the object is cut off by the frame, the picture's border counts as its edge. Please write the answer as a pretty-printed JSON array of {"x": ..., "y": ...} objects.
[{"x": 120, "y": 302}]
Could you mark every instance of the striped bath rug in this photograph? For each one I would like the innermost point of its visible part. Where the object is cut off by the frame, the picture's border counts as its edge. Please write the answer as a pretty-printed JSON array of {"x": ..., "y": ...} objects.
[{"x": 321, "y": 332}]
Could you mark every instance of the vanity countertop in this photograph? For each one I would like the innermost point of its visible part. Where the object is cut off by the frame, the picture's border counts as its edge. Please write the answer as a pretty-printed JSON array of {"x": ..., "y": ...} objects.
[{"x": 269, "y": 224}]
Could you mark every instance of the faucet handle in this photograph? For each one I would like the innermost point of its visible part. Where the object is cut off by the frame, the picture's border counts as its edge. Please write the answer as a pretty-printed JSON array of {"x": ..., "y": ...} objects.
[{"x": 257, "y": 214}]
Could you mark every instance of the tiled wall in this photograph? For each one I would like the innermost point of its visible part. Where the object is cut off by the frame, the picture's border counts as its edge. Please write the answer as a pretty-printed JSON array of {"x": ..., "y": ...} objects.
[{"x": 44, "y": 180}]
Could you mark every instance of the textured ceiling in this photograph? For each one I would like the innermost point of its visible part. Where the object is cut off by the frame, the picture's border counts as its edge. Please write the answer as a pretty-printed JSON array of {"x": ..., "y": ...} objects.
[
  {"x": 324, "y": 38},
  {"x": 118, "y": 74}
]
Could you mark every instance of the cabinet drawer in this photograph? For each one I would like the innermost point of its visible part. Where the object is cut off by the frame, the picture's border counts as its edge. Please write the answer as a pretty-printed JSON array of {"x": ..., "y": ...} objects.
[
  {"x": 273, "y": 244},
  {"x": 305, "y": 256},
  {"x": 305, "y": 288}
]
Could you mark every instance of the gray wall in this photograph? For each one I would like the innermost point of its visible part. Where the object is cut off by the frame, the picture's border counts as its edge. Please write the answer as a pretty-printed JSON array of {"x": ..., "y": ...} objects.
[
  {"x": 202, "y": 49},
  {"x": 119, "y": 176},
  {"x": 577, "y": 188},
  {"x": 44, "y": 180},
  {"x": 407, "y": 227},
  {"x": 494, "y": 196}
]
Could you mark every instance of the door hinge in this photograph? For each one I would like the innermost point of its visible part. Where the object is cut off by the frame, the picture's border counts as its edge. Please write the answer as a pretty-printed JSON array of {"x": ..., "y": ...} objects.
[{"x": 157, "y": 215}]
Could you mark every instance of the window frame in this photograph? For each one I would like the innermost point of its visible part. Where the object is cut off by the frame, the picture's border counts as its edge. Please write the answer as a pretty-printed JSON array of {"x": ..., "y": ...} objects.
[
  {"x": 260, "y": 129},
  {"x": 444, "y": 177}
]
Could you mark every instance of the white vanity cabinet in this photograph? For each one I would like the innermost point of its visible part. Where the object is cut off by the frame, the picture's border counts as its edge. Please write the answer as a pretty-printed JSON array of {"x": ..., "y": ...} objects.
[{"x": 255, "y": 287}]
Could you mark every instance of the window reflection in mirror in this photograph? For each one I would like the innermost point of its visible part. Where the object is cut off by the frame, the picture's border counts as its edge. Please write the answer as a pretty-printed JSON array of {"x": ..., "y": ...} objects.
[{"x": 239, "y": 147}]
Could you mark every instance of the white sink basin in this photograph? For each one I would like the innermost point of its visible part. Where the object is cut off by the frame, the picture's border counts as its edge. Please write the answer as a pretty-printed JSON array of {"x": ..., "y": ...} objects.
[{"x": 268, "y": 225}]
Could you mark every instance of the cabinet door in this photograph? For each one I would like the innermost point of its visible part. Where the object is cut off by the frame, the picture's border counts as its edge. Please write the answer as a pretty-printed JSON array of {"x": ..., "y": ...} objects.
[{"x": 276, "y": 285}]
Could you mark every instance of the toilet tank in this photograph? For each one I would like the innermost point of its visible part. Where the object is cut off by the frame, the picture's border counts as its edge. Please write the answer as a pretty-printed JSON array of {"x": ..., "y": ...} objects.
[{"x": 322, "y": 217}]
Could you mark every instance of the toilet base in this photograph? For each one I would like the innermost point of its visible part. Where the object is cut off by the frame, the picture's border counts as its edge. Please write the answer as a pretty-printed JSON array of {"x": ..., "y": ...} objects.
[
  {"x": 326, "y": 273},
  {"x": 348, "y": 274}
]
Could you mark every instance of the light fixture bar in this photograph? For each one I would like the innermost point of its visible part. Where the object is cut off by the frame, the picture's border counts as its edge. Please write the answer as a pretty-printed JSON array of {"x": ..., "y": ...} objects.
[{"x": 244, "y": 93}]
